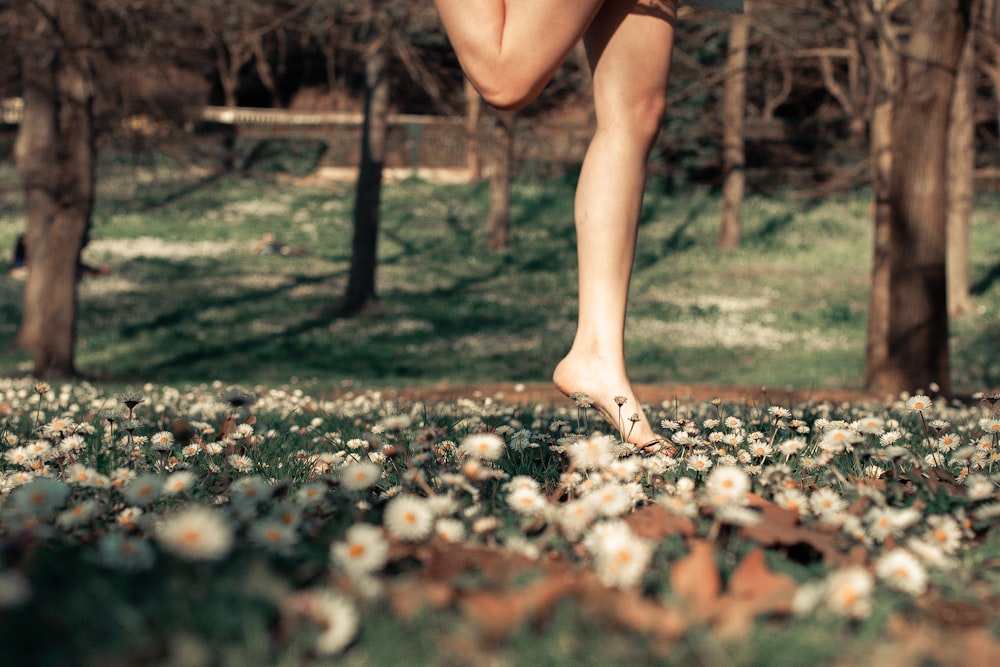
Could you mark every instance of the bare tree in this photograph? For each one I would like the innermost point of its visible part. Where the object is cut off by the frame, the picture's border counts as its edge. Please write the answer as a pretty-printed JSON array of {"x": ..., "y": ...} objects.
[
  {"x": 364, "y": 249},
  {"x": 733, "y": 140},
  {"x": 498, "y": 223},
  {"x": 56, "y": 159},
  {"x": 961, "y": 180},
  {"x": 918, "y": 304}
]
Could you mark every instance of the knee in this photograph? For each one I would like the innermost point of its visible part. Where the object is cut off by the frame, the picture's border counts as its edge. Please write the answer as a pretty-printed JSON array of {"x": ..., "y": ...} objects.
[
  {"x": 636, "y": 117},
  {"x": 647, "y": 115},
  {"x": 508, "y": 93}
]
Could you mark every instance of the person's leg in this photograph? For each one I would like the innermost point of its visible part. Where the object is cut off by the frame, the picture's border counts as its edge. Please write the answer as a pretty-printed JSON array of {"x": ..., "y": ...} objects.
[
  {"x": 629, "y": 45},
  {"x": 510, "y": 49}
]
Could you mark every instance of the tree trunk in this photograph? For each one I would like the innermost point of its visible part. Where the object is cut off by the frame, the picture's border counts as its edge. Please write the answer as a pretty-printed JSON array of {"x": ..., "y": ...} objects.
[
  {"x": 364, "y": 257},
  {"x": 877, "y": 334},
  {"x": 498, "y": 229},
  {"x": 473, "y": 151},
  {"x": 733, "y": 139},
  {"x": 961, "y": 181},
  {"x": 918, "y": 318},
  {"x": 56, "y": 157},
  {"x": 883, "y": 60}
]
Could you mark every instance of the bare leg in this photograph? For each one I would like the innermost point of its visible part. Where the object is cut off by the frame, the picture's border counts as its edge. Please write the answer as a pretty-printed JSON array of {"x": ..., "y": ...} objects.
[
  {"x": 629, "y": 46},
  {"x": 510, "y": 49}
]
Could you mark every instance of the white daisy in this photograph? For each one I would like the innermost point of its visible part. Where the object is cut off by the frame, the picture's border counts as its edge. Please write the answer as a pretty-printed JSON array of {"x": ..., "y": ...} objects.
[
  {"x": 196, "y": 533},
  {"x": 901, "y": 570},
  {"x": 407, "y": 517},
  {"x": 363, "y": 550},
  {"x": 483, "y": 446}
]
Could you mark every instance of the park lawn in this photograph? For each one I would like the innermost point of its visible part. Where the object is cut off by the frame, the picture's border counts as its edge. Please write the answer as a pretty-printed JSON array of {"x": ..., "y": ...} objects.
[
  {"x": 186, "y": 299},
  {"x": 153, "y": 513}
]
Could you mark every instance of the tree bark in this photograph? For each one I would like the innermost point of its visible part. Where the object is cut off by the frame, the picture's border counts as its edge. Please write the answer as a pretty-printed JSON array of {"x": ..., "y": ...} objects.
[
  {"x": 918, "y": 321},
  {"x": 498, "y": 226},
  {"x": 473, "y": 150},
  {"x": 364, "y": 247},
  {"x": 56, "y": 157},
  {"x": 733, "y": 136},
  {"x": 883, "y": 61},
  {"x": 961, "y": 181}
]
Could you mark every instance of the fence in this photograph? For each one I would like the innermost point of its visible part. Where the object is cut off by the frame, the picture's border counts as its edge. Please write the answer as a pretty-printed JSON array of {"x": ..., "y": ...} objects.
[{"x": 433, "y": 148}]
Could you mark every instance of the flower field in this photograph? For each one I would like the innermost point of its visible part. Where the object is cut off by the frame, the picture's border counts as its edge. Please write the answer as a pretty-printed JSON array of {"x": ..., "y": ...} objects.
[{"x": 211, "y": 525}]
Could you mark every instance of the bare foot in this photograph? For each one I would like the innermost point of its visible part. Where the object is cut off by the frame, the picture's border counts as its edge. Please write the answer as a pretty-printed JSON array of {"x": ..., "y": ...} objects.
[{"x": 610, "y": 394}]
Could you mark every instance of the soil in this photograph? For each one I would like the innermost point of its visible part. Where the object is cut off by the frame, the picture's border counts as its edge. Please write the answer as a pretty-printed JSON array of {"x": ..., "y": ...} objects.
[{"x": 546, "y": 394}]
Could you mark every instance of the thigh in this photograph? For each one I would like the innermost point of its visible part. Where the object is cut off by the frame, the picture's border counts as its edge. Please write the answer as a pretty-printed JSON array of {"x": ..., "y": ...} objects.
[{"x": 629, "y": 46}]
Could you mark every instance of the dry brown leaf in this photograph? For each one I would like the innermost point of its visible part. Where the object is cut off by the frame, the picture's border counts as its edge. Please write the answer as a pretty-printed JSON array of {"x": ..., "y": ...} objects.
[
  {"x": 654, "y": 522},
  {"x": 696, "y": 581},
  {"x": 774, "y": 530},
  {"x": 628, "y": 610},
  {"x": 499, "y": 614},
  {"x": 408, "y": 598},
  {"x": 773, "y": 514},
  {"x": 753, "y": 590}
]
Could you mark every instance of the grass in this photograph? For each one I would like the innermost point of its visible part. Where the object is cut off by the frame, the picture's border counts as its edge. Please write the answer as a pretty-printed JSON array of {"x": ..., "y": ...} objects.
[
  {"x": 255, "y": 580},
  {"x": 186, "y": 299},
  {"x": 88, "y": 558}
]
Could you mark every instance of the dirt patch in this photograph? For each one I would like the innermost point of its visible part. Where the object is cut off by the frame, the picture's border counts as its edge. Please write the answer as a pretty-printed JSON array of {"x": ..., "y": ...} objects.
[{"x": 546, "y": 394}]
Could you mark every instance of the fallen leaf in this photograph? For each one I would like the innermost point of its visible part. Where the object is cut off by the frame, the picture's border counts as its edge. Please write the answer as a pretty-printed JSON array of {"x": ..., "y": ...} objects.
[
  {"x": 500, "y": 614},
  {"x": 775, "y": 530},
  {"x": 753, "y": 590},
  {"x": 696, "y": 581},
  {"x": 654, "y": 522}
]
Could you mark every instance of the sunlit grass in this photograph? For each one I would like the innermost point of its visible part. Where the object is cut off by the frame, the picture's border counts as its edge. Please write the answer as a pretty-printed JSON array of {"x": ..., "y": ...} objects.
[
  {"x": 511, "y": 569},
  {"x": 186, "y": 299}
]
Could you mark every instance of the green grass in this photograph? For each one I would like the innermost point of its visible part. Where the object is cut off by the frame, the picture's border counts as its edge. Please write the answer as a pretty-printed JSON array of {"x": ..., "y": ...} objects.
[{"x": 787, "y": 309}]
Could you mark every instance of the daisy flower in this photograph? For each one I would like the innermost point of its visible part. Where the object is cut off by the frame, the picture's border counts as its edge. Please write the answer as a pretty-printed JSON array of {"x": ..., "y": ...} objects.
[
  {"x": 793, "y": 499},
  {"x": 162, "y": 441},
  {"x": 944, "y": 531},
  {"x": 196, "y": 532},
  {"x": 396, "y": 423},
  {"x": 699, "y": 463},
  {"x": 408, "y": 518},
  {"x": 79, "y": 474},
  {"x": 484, "y": 446},
  {"x": 273, "y": 534},
  {"x": 791, "y": 447},
  {"x": 118, "y": 551},
  {"x": 526, "y": 501},
  {"x": 575, "y": 517},
  {"x": 334, "y": 613},
  {"x": 360, "y": 476},
  {"x": 849, "y": 591},
  {"x": 621, "y": 558},
  {"x": 40, "y": 498},
  {"x": 364, "y": 550},
  {"x": 826, "y": 501},
  {"x": 250, "y": 490},
  {"x": 609, "y": 500},
  {"x": 311, "y": 494},
  {"x": 870, "y": 425},
  {"x": 886, "y": 521},
  {"x": 919, "y": 403},
  {"x": 518, "y": 482},
  {"x": 901, "y": 570},
  {"x": 727, "y": 485},
  {"x": 240, "y": 463},
  {"x": 591, "y": 453},
  {"x": 948, "y": 442},
  {"x": 838, "y": 440},
  {"x": 77, "y": 514},
  {"x": 178, "y": 482},
  {"x": 143, "y": 490},
  {"x": 449, "y": 530}
]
